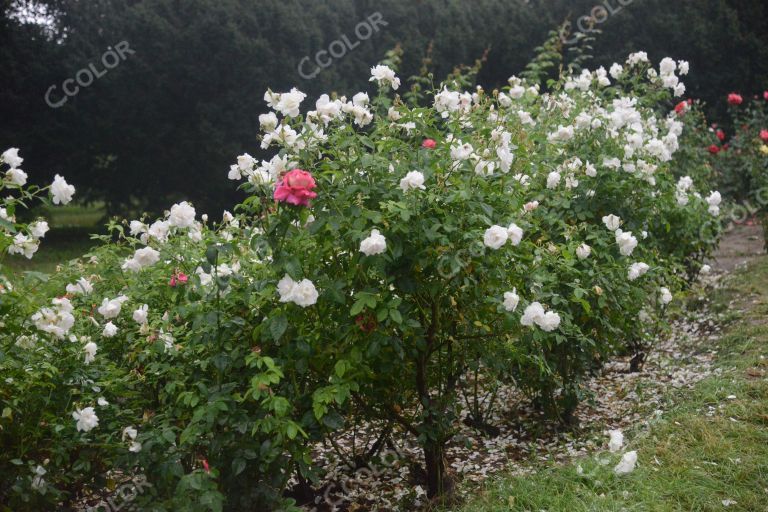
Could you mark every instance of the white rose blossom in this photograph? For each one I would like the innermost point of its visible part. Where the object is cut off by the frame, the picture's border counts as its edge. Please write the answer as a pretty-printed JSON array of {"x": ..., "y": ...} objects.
[
  {"x": 612, "y": 222},
  {"x": 515, "y": 233},
  {"x": 141, "y": 314},
  {"x": 86, "y": 419},
  {"x": 61, "y": 191},
  {"x": 374, "y": 244},
  {"x": 534, "y": 314},
  {"x": 110, "y": 330},
  {"x": 511, "y": 300},
  {"x": 384, "y": 76},
  {"x": 495, "y": 237},
  {"x": 302, "y": 293},
  {"x": 11, "y": 157},
  {"x": 583, "y": 251},
  {"x": 413, "y": 180}
]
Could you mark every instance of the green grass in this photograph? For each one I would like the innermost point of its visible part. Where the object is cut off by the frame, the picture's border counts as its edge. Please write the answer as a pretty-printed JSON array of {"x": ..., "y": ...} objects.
[
  {"x": 687, "y": 460},
  {"x": 69, "y": 237}
]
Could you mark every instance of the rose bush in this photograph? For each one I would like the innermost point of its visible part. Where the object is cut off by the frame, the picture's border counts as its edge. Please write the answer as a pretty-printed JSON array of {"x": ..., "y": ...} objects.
[
  {"x": 740, "y": 158},
  {"x": 390, "y": 259}
]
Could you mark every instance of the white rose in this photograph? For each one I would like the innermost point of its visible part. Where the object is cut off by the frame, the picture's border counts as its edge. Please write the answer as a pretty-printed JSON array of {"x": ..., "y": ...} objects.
[
  {"x": 515, "y": 234},
  {"x": 11, "y": 157},
  {"x": 90, "y": 349},
  {"x": 374, "y": 244},
  {"x": 111, "y": 308},
  {"x": 612, "y": 222},
  {"x": 61, "y": 191},
  {"x": 549, "y": 322},
  {"x": 86, "y": 419},
  {"x": 626, "y": 242},
  {"x": 146, "y": 256},
  {"x": 140, "y": 315},
  {"x": 110, "y": 330},
  {"x": 384, "y": 75},
  {"x": 268, "y": 122},
  {"x": 304, "y": 293},
  {"x": 511, "y": 300},
  {"x": 495, "y": 237},
  {"x": 82, "y": 286},
  {"x": 583, "y": 251},
  {"x": 289, "y": 102},
  {"x": 16, "y": 177},
  {"x": 39, "y": 229},
  {"x": 182, "y": 215},
  {"x": 636, "y": 270},
  {"x": 412, "y": 180}
]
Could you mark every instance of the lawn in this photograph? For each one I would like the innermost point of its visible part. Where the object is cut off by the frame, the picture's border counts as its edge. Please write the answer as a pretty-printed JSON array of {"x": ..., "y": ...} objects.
[
  {"x": 709, "y": 452},
  {"x": 69, "y": 237}
]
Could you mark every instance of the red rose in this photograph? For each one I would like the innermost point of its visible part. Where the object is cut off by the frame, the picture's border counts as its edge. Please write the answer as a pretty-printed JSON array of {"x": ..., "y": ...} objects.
[
  {"x": 735, "y": 99},
  {"x": 680, "y": 107},
  {"x": 714, "y": 149},
  {"x": 765, "y": 95},
  {"x": 764, "y": 135},
  {"x": 720, "y": 135}
]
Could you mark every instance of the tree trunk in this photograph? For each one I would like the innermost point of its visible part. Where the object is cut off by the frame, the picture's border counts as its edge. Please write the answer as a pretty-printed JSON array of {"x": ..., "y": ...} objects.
[{"x": 434, "y": 462}]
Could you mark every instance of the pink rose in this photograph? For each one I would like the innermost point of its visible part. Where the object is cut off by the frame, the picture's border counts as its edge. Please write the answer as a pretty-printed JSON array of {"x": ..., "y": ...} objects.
[
  {"x": 296, "y": 188},
  {"x": 735, "y": 99},
  {"x": 764, "y": 135},
  {"x": 178, "y": 278},
  {"x": 429, "y": 144},
  {"x": 529, "y": 207}
]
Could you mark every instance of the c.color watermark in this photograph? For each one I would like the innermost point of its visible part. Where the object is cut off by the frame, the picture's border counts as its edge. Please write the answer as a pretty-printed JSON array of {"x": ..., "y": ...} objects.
[
  {"x": 110, "y": 59},
  {"x": 122, "y": 498},
  {"x": 598, "y": 15},
  {"x": 340, "y": 47},
  {"x": 738, "y": 214},
  {"x": 335, "y": 495}
]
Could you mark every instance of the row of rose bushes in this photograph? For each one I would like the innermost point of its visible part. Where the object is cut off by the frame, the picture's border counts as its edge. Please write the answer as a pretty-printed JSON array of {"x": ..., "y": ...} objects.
[
  {"x": 387, "y": 252},
  {"x": 739, "y": 156}
]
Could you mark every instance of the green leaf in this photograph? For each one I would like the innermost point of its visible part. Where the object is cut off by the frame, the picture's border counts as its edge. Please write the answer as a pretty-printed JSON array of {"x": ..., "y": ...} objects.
[
  {"x": 281, "y": 406},
  {"x": 356, "y": 308},
  {"x": 212, "y": 254},
  {"x": 277, "y": 327},
  {"x": 238, "y": 466},
  {"x": 341, "y": 367}
]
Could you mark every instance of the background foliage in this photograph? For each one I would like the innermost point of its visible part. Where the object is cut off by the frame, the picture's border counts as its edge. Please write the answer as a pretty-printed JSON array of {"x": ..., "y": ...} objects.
[{"x": 164, "y": 124}]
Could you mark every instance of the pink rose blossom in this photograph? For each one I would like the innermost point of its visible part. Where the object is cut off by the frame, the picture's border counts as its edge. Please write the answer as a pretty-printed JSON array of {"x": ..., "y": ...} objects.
[
  {"x": 429, "y": 144},
  {"x": 178, "y": 278},
  {"x": 531, "y": 206},
  {"x": 296, "y": 188}
]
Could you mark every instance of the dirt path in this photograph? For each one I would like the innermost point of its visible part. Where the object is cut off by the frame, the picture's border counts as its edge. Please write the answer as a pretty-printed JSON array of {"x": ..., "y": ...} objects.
[{"x": 739, "y": 246}]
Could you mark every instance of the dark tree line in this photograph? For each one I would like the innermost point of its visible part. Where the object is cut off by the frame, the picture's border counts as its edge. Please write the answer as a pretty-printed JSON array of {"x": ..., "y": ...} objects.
[{"x": 166, "y": 122}]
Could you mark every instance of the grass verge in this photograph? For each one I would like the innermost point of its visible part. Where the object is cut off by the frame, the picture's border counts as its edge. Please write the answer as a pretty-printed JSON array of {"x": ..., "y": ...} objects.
[
  {"x": 708, "y": 452},
  {"x": 68, "y": 239}
]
